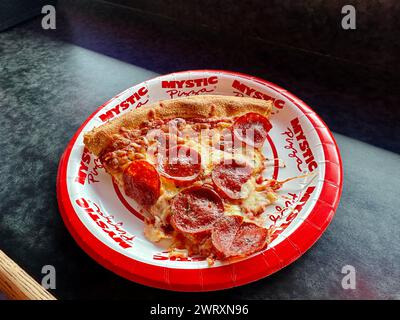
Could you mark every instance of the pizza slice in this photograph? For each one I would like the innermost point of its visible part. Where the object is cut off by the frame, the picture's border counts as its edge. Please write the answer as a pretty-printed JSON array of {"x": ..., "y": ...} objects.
[{"x": 194, "y": 165}]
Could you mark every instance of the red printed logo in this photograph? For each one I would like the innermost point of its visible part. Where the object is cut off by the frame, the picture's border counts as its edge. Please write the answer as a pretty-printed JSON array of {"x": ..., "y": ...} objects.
[
  {"x": 83, "y": 167},
  {"x": 127, "y": 103},
  {"x": 302, "y": 202},
  {"x": 280, "y": 211},
  {"x": 197, "y": 86},
  {"x": 106, "y": 223},
  {"x": 292, "y": 215},
  {"x": 84, "y": 174},
  {"x": 243, "y": 89},
  {"x": 180, "y": 84},
  {"x": 289, "y": 138},
  {"x": 304, "y": 145}
]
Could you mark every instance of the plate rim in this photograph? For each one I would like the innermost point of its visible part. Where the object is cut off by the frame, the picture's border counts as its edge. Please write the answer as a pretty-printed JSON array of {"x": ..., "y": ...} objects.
[{"x": 226, "y": 276}]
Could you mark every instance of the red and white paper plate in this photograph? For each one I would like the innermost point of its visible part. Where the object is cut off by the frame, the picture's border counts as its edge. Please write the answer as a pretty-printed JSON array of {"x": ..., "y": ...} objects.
[{"x": 108, "y": 226}]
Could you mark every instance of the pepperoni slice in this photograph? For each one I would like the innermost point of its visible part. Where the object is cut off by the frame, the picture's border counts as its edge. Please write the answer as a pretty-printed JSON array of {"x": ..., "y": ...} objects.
[
  {"x": 181, "y": 164},
  {"x": 229, "y": 178},
  {"x": 142, "y": 182},
  {"x": 224, "y": 233},
  {"x": 252, "y": 129},
  {"x": 196, "y": 209},
  {"x": 249, "y": 239},
  {"x": 232, "y": 237}
]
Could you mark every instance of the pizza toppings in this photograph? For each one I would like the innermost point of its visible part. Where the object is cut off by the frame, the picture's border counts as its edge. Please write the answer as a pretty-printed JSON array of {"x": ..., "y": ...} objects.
[
  {"x": 230, "y": 177},
  {"x": 252, "y": 129},
  {"x": 142, "y": 182},
  {"x": 232, "y": 237},
  {"x": 224, "y": 233},
  {"x": 257, "y": 201},
  {"x": 196, "y": 183},
  {"x": 196, "y": 209},
  {"x": 250, "y": 238},
  {"x": 181, "y": 164}
]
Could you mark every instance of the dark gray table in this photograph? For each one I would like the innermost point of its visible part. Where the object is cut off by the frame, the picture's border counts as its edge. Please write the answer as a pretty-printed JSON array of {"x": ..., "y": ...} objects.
[{"x": 48, "y": 87}]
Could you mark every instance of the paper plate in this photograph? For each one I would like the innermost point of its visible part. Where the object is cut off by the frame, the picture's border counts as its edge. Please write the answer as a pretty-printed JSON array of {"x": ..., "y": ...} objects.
[{"x": 109, "y": 227}]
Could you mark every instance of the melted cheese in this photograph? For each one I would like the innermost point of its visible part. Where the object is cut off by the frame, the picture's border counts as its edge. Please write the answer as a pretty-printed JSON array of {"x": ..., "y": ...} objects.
[
  {"x": 233, "y": 210},
  {"x": 253, "y": 202},
  {"x": 154, "y": 232},
  {"x": 211, "y": 156},
  {"x": 161, "y": 207},
  {"x": 248, "y": 188},
  {"x": 257, "y": 201},
  {"x": 178, "y": 253}
]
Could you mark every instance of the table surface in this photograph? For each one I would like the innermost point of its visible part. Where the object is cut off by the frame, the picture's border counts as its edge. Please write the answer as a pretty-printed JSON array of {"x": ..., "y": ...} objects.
[{"x": 49, "y": 86}]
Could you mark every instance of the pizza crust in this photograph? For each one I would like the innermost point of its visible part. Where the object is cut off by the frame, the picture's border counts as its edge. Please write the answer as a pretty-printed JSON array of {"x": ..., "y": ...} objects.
[{"x": 204, "y": 106}]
